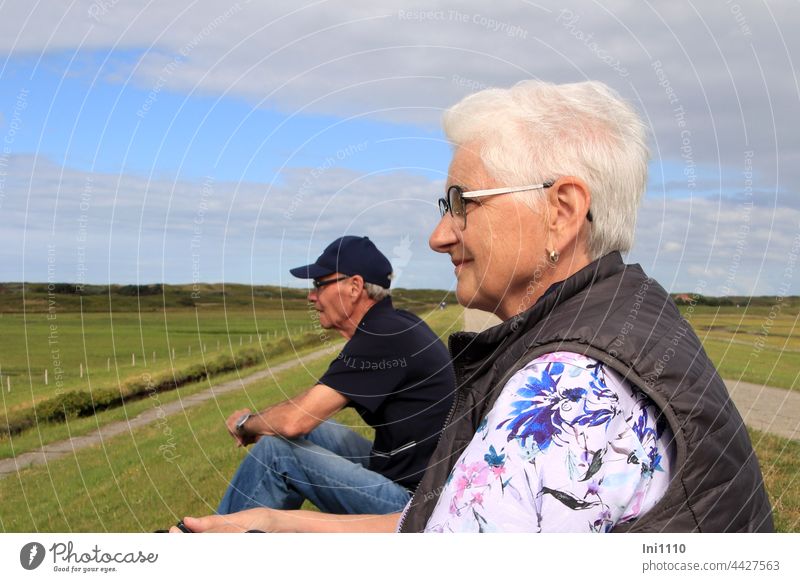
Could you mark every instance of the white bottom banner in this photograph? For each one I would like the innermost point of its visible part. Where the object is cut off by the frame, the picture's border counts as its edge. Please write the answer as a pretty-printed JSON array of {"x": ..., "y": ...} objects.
[{"x": 351, "y": 557}]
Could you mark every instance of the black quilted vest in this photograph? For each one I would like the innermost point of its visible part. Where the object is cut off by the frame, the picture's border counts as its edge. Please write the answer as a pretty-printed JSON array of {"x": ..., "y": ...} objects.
[{"x": 614, "y": 313}]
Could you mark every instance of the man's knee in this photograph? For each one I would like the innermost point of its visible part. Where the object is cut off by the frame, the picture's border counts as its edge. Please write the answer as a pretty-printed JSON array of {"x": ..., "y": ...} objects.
[{"x": 268, "y": 448}]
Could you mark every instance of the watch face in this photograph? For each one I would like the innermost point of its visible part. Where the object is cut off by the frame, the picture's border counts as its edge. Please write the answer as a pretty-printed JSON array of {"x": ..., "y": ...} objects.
[{"x": 240, "y": 423}]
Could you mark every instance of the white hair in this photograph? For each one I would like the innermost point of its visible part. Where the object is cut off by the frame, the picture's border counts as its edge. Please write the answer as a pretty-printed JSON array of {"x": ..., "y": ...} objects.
[
  {"x": 537, "y": 131},
  {"x": 376, "y": 292}
]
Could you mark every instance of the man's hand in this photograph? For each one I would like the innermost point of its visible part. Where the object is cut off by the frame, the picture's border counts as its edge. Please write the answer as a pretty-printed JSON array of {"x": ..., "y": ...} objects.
[
  {"x": 242, "y": 521},
  {"x": 291, "y": 418},
  {"x": 243, "y": 437}
]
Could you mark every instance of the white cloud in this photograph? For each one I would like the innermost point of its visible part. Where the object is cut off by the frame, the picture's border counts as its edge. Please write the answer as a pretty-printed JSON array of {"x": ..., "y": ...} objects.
[
  {"x": 727, "y": 73},
  {"x": 135, "y": 229},
  {"x": 174, "y": 231},
  {"x": 720, "y": 245},
  {"x": 728, "y": 65}
]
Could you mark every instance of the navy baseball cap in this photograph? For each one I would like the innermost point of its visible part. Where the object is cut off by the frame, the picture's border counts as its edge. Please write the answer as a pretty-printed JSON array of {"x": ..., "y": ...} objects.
[{"x": 350, "y": 255}]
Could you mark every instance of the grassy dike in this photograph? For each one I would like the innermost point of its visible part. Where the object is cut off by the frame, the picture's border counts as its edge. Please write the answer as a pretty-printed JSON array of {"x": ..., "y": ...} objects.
[
  {"x": 128, "y": 484},
  {"x": 149, "y": 478},
  {"x": 46, "y": 433}
]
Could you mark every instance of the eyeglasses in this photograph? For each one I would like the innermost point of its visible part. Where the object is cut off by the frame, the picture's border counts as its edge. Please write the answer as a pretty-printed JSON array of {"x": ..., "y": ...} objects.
[
  {"x": 320, "y": 284},
  {"x": 456, "y": 201}
]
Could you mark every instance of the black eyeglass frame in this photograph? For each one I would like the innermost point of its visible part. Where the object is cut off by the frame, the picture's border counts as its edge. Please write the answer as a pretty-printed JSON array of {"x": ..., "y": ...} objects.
[{"x": 320, "y": 284}]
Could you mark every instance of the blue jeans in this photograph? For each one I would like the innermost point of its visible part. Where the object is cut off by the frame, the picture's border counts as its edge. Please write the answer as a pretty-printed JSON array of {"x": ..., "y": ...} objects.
[{"x": 328, "y": 467}]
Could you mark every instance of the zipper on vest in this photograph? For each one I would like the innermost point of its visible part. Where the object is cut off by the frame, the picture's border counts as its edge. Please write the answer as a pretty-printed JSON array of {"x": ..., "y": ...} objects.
[
  {"x": 405, "y": 447},
  {"x": 441, "y": 436}
]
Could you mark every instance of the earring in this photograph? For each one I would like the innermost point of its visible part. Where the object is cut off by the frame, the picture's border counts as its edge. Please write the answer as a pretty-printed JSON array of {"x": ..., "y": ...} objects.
[{"x": 553, "y": 256}]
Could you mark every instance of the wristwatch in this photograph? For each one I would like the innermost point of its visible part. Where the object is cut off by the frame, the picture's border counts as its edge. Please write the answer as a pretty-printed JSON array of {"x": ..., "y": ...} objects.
[{"x": 243, "y": 419}]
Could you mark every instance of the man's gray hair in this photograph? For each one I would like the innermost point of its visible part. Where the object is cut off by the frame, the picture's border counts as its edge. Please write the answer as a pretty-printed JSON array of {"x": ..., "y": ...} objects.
[
  {"x": 376, "y": 292},
  {"x": 537, "y": 131}
]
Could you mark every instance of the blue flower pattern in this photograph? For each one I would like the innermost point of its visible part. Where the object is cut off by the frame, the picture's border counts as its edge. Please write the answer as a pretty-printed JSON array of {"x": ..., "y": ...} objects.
[{"x": 568, "y": 446}]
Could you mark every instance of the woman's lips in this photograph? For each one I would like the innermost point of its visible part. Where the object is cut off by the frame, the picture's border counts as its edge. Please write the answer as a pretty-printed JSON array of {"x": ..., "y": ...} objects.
[{"x": 459, "y": 265}]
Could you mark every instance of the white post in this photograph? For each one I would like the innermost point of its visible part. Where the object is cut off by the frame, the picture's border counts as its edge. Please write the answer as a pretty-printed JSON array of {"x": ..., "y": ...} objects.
[
  {"x": 108, "y": 364},
  {"x": 45, "y": 376},
  {"x": 81, "y": 369},
  {"x": 133, "y": 359}
]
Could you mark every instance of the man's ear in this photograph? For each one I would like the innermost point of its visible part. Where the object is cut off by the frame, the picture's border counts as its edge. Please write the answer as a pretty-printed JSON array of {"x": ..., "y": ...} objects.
[
  {"x": 569, "y": 200},
  {"x": 356, "y": 286}
]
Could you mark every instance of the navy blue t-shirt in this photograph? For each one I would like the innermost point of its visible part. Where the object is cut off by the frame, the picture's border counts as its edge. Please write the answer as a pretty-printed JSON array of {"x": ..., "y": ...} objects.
[{"x": 397, "y": 375}]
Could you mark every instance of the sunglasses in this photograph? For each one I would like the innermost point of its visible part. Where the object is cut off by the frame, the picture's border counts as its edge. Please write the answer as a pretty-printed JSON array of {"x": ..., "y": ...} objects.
[{"x": 320, "y": 284}]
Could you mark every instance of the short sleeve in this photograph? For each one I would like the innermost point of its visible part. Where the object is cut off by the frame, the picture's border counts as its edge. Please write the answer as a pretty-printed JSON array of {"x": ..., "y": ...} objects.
[{"x": 569, "y": 446}]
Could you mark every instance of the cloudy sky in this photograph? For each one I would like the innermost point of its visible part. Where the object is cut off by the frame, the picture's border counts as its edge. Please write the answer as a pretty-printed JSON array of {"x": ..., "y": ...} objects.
[{"x": 179, "y": 141}]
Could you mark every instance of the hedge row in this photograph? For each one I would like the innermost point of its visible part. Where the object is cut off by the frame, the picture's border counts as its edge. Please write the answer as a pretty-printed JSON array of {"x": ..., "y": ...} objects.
[{"x": 78, "y": 403}]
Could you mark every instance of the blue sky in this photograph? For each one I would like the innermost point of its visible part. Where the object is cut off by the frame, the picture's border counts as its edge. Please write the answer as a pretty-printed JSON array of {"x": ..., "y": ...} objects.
[{"x": 230, "y": 142}]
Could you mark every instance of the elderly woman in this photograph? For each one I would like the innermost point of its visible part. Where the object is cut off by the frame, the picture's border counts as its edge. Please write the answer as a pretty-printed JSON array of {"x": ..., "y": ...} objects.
[{"x": 593, "y": 406}]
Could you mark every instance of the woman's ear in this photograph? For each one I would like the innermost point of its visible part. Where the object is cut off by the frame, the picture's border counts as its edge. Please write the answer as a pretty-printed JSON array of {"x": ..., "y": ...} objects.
[{"x": 569, "y": 200}]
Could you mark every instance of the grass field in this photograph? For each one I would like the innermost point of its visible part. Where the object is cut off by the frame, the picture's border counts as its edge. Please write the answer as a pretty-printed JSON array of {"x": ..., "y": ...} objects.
[
  {"x": 757, "y": 344},
  {"x": 780, "y": 459},
  {"x": 127, "y": 485},
  {"x": 113, "y": 346},
  {"x": 103, "y": 337}
]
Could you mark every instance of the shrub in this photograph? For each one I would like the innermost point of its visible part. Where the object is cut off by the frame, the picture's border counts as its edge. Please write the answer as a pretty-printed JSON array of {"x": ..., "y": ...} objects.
[{"x": 80, "y": 403}]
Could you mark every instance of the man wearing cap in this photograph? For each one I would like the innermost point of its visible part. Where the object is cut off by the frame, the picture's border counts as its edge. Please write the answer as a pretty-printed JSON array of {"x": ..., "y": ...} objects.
[{"x": 393, "y": 370}]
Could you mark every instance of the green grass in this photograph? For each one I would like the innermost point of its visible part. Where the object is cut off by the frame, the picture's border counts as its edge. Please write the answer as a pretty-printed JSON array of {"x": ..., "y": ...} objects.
[
  {"x": 755, "y": 344},
  {"x": 127, "y": 485},
  {"x": 104, "y": 343},
  {"x": 47, "y": 433},
  {"x": 114, "y": 334},
  {"x": 779, "y": 459}
]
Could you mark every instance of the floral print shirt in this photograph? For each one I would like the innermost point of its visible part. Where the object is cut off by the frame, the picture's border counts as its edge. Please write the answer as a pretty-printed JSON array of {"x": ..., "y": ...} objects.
[{"x": 569, "y": 446}]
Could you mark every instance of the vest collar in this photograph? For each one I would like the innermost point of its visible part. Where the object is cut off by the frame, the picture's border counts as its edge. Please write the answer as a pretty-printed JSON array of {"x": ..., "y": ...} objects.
[{"x": 486, "y": 346}]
